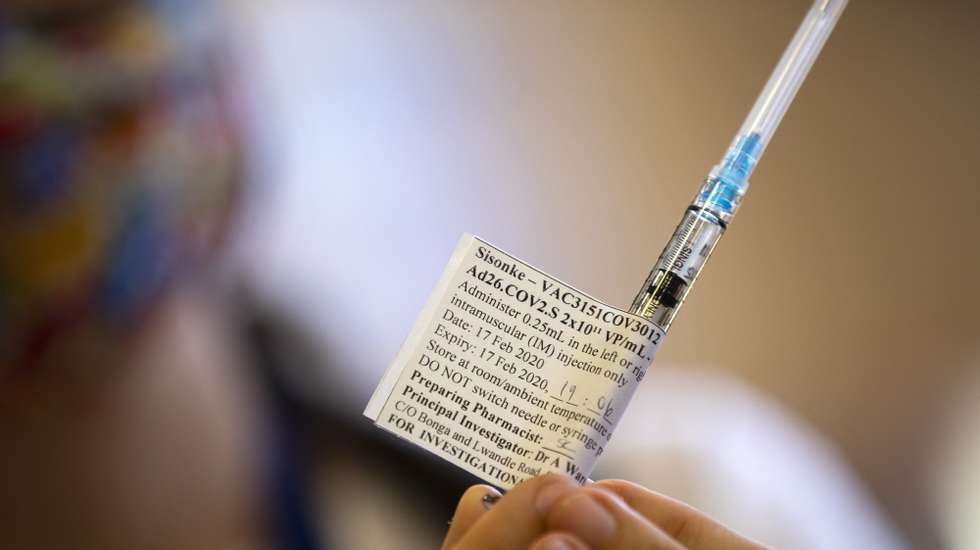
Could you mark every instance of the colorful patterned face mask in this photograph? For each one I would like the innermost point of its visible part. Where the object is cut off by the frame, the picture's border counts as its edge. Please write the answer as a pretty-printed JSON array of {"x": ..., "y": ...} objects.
[{"x": 118, "y": 169}]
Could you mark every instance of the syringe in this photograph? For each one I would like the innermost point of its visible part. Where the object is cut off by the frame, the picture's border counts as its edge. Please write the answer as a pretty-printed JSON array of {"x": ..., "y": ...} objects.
[{"x": 716, "y": 203}]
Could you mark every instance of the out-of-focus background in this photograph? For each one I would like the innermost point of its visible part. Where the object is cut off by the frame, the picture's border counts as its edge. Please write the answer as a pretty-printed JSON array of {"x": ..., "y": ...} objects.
[
  {"x": 573, "y": 134},
  {"x": 819, "y": 391}
]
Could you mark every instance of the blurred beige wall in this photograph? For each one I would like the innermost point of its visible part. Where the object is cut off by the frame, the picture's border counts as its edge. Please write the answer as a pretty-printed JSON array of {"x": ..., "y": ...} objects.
[{"x": 574, "y": 133}]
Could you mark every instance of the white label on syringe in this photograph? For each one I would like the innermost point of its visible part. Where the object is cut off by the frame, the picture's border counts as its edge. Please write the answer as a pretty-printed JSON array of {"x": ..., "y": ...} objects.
[{"x": 510, "y": 373}]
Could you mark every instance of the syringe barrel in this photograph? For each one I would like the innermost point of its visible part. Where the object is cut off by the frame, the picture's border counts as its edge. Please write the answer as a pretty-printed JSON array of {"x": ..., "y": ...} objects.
[{"x": 678, "y": 266}]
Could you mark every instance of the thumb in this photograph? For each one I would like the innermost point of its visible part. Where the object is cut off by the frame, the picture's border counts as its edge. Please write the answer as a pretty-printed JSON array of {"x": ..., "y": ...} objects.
[
  {"x": 604, "y": 522},
  {"x": 515, "y": 522},
  {"x": 473, "y": 504}
]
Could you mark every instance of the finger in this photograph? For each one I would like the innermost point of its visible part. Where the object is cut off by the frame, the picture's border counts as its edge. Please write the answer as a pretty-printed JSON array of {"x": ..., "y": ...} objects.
[
  {"x": 559, "y": 541},
  {"x": 681, "y": 522},
  {"x": 604, "y": 522},
  {"x": 515, "y": 521},
  {"x": 475, "y": 502}
]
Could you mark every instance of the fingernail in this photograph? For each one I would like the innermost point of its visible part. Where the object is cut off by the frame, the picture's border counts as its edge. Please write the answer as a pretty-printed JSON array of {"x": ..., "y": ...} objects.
[
  {"x": 557, "y": 543},
  {"x": 490, "y": 499},
  {"x": 583, "y": 516},
  {"x": 551, "y": 494}
]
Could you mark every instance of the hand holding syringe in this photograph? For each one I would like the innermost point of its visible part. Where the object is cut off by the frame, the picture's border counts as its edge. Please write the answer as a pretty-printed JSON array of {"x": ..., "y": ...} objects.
[{"x": 659, "y": 300}]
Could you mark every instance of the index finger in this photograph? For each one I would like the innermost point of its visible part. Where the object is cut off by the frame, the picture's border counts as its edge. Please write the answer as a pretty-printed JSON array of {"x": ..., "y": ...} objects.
[{"x": 685, "y": 524}]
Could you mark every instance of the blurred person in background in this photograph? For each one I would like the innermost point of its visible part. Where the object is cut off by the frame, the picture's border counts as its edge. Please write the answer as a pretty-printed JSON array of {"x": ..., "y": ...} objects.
[
  {"x": 125, "y": 418},
  {"x": 142, "y": 403}
]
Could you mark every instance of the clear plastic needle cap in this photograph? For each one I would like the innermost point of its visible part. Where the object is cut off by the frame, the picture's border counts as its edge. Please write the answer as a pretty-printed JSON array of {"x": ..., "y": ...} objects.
[{"x": 732, "y": 174}]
